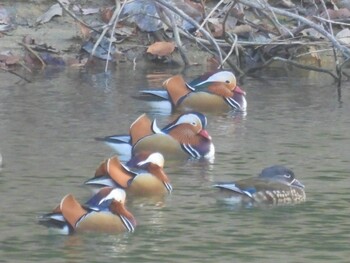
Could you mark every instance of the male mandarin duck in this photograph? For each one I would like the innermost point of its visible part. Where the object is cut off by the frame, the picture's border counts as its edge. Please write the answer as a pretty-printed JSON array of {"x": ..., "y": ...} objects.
[
  {"x": 123, "y": 143},
  {"x": 185, "y": 137},
  {"x": 151, "y": 181},
  {"x": 210, "y": 92},
  {"x": 104, "y": 212},
  {"x": 274, "y": 185}
]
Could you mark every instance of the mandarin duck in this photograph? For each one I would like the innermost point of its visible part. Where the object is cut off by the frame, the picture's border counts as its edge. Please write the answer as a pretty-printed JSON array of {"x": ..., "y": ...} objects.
[
  {"x": 274, "y": 185},
  {"x": 210, "y": 92},
  {"x": 104, "y": 212},
  {"x": 185, "y": 137},
  {"x": 151, "y": 181}
]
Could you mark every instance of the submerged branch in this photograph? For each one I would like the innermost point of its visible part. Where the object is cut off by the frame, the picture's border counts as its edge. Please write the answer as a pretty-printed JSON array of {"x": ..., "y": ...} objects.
[
  {"x": 36, "y": 55},
  {"x": 15, "y": 73},
  {"x": 293, "y": 63}
]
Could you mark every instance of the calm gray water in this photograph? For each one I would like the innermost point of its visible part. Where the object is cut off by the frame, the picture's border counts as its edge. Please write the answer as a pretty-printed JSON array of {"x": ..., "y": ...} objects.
[{"x": 294, "y": 118}]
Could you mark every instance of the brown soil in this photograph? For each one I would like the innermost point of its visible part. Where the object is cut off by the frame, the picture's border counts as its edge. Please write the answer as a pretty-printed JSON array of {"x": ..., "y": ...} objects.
[{"x": 63, "y": 34}]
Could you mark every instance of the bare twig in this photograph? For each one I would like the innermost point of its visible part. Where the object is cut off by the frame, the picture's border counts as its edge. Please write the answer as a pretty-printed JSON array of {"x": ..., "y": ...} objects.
[
  {"x": 168, "y": 18},
  {"x": 331, "y": 21},
  {"x": 294, "y": 63},
  {"x": 339, "y": 73},
  {"x": 313, "y": 52},
  {"x": 344, "y": 50},
  {"x": 106, "y": 28},
  {"x": 43, "y": 64},
  {"x": 177, "y": 38},
  {"x": 234, "y": 42},
  {"x": 75, "y": 17},
  {"x": 232, "y": 39},
  {"x": 327, "y": 13},
  {"x": 232, "y": 5},
  {"x": 119, "y": 8},
  {"x": 210, "y": 14},
  {"x": 194, "y": 23},
  {"x": 15, "y": 73},
  {"x": 276, "y": 22}
]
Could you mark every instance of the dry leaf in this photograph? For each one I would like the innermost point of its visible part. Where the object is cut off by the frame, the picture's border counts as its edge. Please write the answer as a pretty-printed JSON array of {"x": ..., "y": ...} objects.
[
  {"x": 237, "y": 13},
  {"x": 73, "y": 62},
  {"x": 54, "y": 10},
  {"x": 3, "y": 57},
  {"x": 11, "y": 60},
  {"x": 314, "y": 54},
  {"x": 106, "y": 14},
  {"x": 161, "y": 48},
  {"x": 85, "y": 31},
  {"x": 344, "y": 36},
  {"x": 90, "y": 11},
  {"x": 341, "y": 13},
  {"x": 193, "y": 7},
  {"x": 213, "y": 63},
  {"x": 217, "y": 31},
  {"x": 242, "y": 30}
]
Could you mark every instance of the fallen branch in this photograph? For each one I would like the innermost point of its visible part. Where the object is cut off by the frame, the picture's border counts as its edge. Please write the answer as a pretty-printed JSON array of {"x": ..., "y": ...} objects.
[
  {"x": 234, "y": 42},
  {"x": 210, "y": 14},
  {"x": 165, "y": 15},
  {"x": 15, "y": 73},
  {"x": 194, "y": 23},
  {"x": 293, "y": 63},
  {"x": 344, "y": 50},
  {"x": 36, "y": 55},
  {"x": 331, "y": 21},
  {"x": 71, "y": 14},
  {"x": 231, "y": 39},
  {"x": 104, "y": 31},
  {"x": 115, "y": 21}
]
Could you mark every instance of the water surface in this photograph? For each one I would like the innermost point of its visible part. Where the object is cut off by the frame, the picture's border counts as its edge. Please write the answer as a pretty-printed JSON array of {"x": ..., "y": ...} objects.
[{"x": 297, "y": 119}]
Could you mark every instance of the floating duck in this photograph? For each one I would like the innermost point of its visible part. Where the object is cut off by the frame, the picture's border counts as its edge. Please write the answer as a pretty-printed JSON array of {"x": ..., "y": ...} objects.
[
  {"x": 211, "y": 92},
  {"x": 149, "y": 182},
  {"x": 104, "y": 212},
  {"x": 185, "y": 137},
  {"x": 274, "y": 185}
]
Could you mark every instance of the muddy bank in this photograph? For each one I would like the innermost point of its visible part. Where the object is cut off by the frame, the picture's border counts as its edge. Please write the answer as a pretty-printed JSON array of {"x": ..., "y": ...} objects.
[{"x": 63, "y": 36}]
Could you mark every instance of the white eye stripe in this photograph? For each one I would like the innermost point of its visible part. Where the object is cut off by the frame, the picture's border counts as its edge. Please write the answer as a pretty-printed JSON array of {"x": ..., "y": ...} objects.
[
  {"x": 222, "y": 76},
  {"x": 189, "y": 118}
]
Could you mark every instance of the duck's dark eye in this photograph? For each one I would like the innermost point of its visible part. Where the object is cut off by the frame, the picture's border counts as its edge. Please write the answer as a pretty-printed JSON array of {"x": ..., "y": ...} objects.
[
  {"x": 227, "y": 81},
  {"x": 287, "y": 175},
  {"x": 194, "y": 123}
]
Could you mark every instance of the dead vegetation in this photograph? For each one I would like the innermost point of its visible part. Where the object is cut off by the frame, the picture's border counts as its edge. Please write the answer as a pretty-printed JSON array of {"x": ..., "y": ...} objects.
[{"x": 243, "y": 35}]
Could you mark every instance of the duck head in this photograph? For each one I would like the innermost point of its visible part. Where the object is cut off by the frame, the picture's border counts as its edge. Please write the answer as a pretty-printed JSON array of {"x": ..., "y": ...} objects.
[
  {"x": 280, "y": 174},
  {"x": 189, "y": 128},
  {"x": 154, "y": 165}
]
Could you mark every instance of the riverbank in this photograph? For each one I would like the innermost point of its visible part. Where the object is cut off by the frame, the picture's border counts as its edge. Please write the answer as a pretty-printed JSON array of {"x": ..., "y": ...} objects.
[{"x": 244, "y": 37}]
